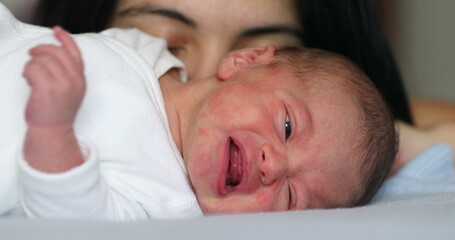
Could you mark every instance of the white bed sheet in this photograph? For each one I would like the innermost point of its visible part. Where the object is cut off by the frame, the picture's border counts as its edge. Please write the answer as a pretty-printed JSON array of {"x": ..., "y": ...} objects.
[{"x": 417, "y": 217}]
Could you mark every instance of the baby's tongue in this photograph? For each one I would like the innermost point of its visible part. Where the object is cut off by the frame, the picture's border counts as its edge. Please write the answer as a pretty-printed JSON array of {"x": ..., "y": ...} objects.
[{"x": 235, "y": 166}]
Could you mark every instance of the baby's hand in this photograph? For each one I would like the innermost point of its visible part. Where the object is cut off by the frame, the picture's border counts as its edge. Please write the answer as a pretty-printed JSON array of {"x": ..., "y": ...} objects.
[{"x": 56, "y": 76}]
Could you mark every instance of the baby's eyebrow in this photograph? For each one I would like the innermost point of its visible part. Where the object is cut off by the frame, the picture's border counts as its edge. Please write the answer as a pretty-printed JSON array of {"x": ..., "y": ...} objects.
[{"x": 149, "y": 9}]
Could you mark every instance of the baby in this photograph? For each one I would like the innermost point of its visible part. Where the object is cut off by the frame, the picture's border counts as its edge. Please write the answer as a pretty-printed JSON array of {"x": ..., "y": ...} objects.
[{"x": 112, "y": 133}]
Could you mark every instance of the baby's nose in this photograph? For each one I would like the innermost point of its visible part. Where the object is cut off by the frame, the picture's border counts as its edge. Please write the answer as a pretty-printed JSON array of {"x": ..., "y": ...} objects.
[
  {"x": 272, "y": 164},
  {"x": 204, "y": 60}
]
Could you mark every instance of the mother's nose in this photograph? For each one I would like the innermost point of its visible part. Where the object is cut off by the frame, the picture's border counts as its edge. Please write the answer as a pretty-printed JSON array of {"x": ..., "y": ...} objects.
[
  {"x": 202, "y": 70},
  {"x": 203, "y": 61},
  {"x": 272, "y": 165}
]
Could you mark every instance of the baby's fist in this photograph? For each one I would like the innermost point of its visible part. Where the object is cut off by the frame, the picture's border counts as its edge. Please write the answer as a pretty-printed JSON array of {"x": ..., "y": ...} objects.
[{"x": 55, "y": 74}]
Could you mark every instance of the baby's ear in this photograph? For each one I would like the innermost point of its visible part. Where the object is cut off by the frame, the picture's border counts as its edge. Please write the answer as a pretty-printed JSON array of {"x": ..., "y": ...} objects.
[{"x": 239, "y": 59}]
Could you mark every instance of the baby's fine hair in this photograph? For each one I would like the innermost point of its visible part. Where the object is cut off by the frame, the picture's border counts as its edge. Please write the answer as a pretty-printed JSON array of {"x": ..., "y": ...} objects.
[{"x": 379, "y": 144}]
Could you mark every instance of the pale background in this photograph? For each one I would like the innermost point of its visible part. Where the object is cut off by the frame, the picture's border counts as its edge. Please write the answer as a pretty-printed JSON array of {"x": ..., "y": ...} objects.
[{"x": 422, "y": 35}]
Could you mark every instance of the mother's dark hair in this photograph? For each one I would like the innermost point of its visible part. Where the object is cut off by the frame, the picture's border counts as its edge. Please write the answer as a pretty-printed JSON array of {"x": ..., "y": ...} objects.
[
  {"x": 76, "y": 16},
  {"x": 349, "y": 27}
]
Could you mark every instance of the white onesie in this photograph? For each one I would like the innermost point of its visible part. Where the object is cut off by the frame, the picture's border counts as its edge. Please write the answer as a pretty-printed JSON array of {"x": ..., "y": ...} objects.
[{"x": 132, "y": 168}]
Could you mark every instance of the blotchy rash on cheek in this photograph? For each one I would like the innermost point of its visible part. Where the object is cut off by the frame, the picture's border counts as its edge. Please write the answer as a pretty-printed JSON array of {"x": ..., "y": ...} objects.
[
  {"x": 217, "y": 108},
  {"x": 203, "y": 156},
  {"x": 318, "y": 181},
  {"x": 204, "y": 132}
]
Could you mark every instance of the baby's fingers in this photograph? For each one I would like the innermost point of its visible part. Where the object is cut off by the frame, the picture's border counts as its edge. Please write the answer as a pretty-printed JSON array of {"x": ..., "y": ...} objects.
[
  {"x": 55, "y": 69},
  {"x": 68, "y": 43},
  {"x": 37, "y": 74},
  {"x": 62, "y": 55}
]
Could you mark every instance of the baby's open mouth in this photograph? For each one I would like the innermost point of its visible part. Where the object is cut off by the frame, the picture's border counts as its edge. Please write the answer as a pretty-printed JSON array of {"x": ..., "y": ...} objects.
[{"x": 234, "y": 173}]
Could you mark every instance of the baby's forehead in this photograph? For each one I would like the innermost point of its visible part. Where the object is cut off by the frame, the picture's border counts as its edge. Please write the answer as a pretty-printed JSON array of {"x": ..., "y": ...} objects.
[
  {"x": 308, "y": 61},
  {"x": 309, "y": 66},
  {"x": 314, "y": 79}
]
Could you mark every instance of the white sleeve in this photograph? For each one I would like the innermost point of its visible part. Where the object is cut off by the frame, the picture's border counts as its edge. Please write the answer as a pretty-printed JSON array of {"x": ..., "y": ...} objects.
[{"x": 79, "y": 193}]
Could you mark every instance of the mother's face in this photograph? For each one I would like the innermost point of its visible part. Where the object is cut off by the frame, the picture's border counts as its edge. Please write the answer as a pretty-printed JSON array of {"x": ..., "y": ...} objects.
[{"x": 200, "y": 32}]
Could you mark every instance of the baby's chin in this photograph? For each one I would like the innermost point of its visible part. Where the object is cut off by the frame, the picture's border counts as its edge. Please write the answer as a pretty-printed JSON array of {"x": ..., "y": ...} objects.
[
  {"x": 228, "y": 206},
  {"x": 213, "y": 207}
]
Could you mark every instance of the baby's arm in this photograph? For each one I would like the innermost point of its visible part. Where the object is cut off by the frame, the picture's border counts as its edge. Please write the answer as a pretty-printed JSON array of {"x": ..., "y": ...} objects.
[{"x": 55, "y": 75}]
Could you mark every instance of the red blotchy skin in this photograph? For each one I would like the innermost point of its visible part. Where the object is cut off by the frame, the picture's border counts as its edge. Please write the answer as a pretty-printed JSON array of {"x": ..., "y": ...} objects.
[{"x": 313, "y": 165}]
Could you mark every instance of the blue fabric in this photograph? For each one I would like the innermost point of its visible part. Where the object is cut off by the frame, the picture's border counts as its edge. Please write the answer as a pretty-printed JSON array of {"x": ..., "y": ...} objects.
[{"x": 430, "y": 172}]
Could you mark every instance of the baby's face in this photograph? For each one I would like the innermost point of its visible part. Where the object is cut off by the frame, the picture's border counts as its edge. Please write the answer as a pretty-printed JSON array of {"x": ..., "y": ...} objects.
[{"x": 262, "y": 141}]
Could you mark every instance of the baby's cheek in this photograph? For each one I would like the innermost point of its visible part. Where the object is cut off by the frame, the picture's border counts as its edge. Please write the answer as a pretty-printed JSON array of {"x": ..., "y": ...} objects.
[
  {"x": 199, "y": 157},
  {"x": 318, "y": 181},
  {"x": 333, "y": 190},
  {"x": 203, "y": 132}
]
